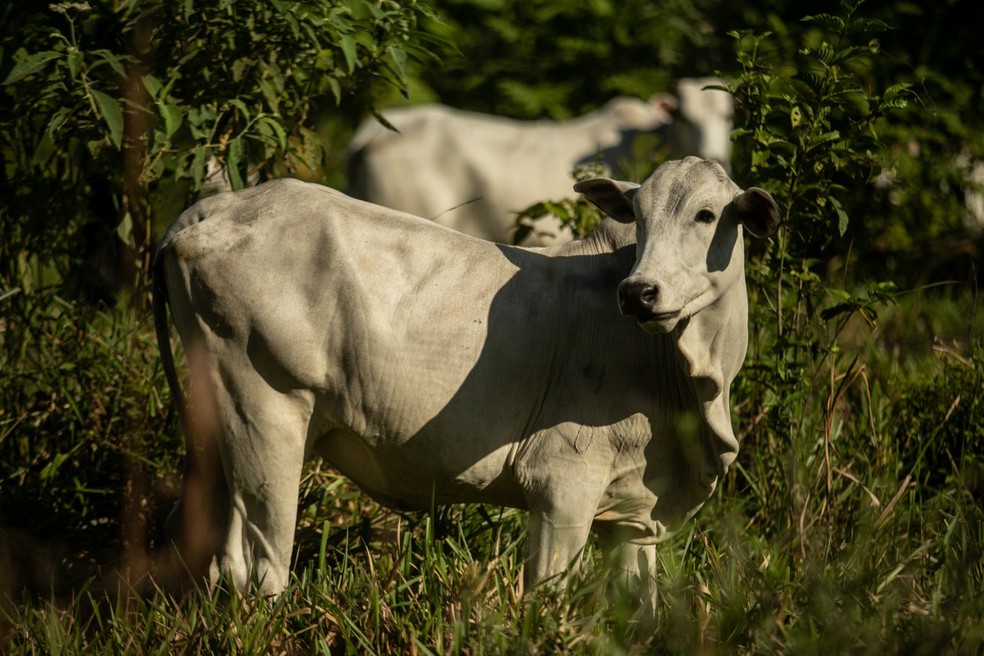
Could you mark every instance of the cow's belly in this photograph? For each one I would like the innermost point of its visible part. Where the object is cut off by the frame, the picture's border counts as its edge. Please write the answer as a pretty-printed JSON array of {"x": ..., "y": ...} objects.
[{"x": 418, "y": 473}]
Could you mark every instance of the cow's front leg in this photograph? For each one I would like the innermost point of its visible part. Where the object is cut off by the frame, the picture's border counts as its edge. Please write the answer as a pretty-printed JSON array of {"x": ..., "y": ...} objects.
[
  {"x": 564, "y": 473},
  {"x": 560, "y": 522},
  {"x": 555, "y": 544}
]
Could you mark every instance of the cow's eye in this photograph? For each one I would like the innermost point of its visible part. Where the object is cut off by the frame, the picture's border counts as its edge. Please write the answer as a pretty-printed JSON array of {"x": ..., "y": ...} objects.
[{"x": 704, "y": 216}]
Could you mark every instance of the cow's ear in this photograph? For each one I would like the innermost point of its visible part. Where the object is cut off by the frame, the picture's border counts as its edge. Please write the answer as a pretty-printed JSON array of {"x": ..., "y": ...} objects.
[
  {"x": 757, "y": 212},
  {"x": 613, "y": 197}
]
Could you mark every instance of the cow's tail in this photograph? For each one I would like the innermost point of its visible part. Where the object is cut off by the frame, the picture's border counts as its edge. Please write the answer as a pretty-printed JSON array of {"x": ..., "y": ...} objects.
[
  {"x": 160, "y": 304},
  {"x": 195, "y": 524}
]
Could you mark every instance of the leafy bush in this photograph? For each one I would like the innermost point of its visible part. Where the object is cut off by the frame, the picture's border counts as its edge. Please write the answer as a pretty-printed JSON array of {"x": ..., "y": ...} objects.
[
  {"x": 809, "y": 132},
  {"x": 112, "y": 113},
  {"x": 940, "y": 428},
  {"x": 806, "y": 135},
  {"x": 559, "y": 59}
]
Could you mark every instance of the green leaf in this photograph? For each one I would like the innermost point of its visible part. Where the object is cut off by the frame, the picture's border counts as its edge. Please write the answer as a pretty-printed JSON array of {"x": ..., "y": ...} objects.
[
  {"x": 32, "y": 64},
  {"x": 153, "y": 86},
  {"x": 198, "y": 166},
  {"x": 111, "y": 113},
  {"x": 377, "y": 13},
  {"x": 824, "y": 53},
  {"x": 895, "y": 96},
  {"x": 842, "y": 218},
  {"x": 348, "y": 46},
  {"x": 271, "y": 95},
  {"x": 834, "y": 23},
  {"x": 74, "y": 60},
  {"x": 172, "y": 118},
  {"x": 760, "y": 157},
  {"x": 869, "y": 25},
  {"x": 399, "y": 58},
  {"x": 558, "y": 210},
  {"x": 278, "y": 130},
  {"x": 234, "y": 159},
  {"x": 385, "y": 123},
  {"x": 837, "y": 310},
  {"x": 58, "y": 119},
  {"x": 50, "y": 470},
  {"x": 241, "y": 106},
  {"x": 336, "y": 89},
  {"x": 523, "y": 230},
  {"x": 325, "y": 59},
  {"x": 125, "y": 229},
  {"x": 535, "y": 211},
  {"x": 239, "y": 67},
  {"x": 897, "y": 88},
  {"x": 115, "y": 62}
]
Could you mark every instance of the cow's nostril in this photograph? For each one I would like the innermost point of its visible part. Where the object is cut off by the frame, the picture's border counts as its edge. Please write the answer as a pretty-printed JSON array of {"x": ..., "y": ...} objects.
[
  {"x": 649, "y": 295},
  {"x": 635, "y": 298}
]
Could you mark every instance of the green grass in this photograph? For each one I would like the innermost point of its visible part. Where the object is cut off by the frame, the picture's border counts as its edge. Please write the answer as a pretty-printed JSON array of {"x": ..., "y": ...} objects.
[{"x": 852, "y": 521}]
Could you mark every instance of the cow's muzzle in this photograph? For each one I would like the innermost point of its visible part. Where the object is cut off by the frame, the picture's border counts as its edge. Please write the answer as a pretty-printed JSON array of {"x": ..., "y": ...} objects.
[{"x": 640, "y": 300}]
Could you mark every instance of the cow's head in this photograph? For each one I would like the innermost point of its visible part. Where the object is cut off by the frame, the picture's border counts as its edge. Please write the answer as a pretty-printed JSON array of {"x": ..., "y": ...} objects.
[{"x": 689, "y": 217}]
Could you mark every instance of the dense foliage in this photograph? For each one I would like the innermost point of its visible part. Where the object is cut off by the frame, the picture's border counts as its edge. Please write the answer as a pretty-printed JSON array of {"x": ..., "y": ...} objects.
[
  {"x": 115, "y": 113},
  {"x": 852, "y": 520},
  {"x": 553, "y": 59}
]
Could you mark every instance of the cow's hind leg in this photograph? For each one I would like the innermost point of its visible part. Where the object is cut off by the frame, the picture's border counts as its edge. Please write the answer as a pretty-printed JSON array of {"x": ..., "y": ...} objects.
[
  {"x": 265, "y": 431},
  {"x": 196, "y": 524}
]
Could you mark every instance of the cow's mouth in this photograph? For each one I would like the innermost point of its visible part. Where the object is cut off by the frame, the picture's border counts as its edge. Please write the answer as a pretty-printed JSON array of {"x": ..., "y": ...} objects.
[
  {"x": 659, "y": 316},
  {"x": 658, "y": 322}
]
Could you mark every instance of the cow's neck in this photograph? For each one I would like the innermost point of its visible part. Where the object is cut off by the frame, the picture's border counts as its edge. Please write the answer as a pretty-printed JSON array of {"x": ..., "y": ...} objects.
[
  {"x": 712, "y": 346},
  {"x": 609, "y": 237}
]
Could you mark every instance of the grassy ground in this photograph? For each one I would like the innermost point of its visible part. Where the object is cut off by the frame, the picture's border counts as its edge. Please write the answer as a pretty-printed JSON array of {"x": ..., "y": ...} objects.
[{"x": 851, "y": 523}]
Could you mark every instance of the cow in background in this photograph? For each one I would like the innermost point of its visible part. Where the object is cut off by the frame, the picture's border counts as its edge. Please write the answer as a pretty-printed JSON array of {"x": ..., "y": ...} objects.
[
  {"x": 704, "y": 120},
  {"x": 473, "y": 172}
]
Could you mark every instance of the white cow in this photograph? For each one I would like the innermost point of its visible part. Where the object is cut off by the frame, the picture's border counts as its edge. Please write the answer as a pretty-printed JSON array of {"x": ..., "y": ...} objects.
[
  {"x": 474, "y": 172},
  {"x": 433, "y": 367},
  {"x": 705, "y": 119}
]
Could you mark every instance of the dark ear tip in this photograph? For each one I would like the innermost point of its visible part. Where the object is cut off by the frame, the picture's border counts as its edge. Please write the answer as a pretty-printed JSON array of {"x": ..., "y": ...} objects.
[
  {"x": 612, "y": 197},
  {"x": 755, "y": 198},
  {"x": 583, "y": 186},
  {"x": 758, "y": 211}
]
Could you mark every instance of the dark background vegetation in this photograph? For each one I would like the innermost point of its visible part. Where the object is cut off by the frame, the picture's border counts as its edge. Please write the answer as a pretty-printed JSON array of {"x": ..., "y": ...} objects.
[{"x": 852, "y": 519}]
